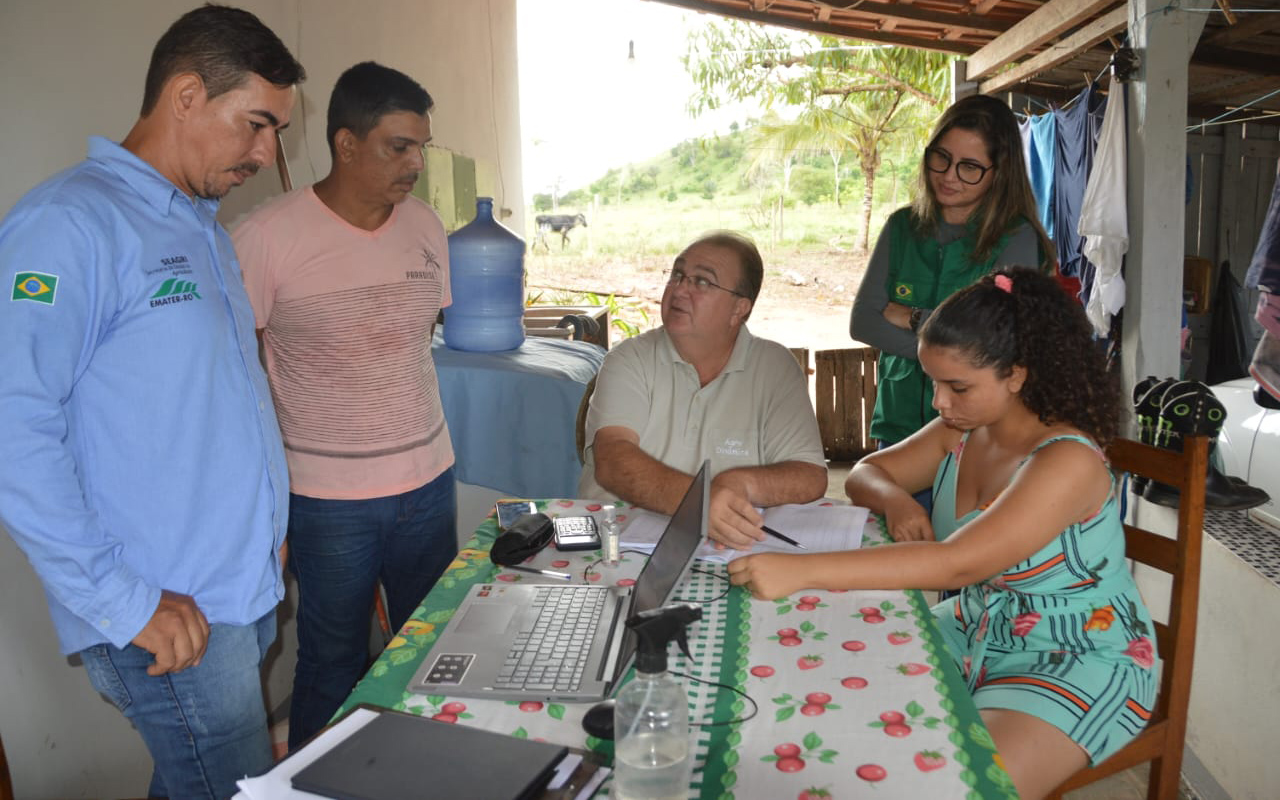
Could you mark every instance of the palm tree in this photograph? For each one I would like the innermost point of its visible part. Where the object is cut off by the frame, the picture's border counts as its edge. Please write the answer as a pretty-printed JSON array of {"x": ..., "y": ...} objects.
[{"x": 861, "y": 96}]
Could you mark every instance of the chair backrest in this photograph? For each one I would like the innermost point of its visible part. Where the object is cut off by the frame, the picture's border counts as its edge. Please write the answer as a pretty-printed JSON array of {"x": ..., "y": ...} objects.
[
  {"x": 580, "y": 426},
  {"x": 1161, "y": 742},
  {"x": 6, "y": 785},
  {"x": 1179, "y": 557}
]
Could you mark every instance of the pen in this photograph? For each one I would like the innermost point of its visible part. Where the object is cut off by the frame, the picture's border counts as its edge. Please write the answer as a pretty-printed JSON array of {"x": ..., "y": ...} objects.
[
  {"x": 550, "y": 573},
  {"x": 786, "y": 539}
]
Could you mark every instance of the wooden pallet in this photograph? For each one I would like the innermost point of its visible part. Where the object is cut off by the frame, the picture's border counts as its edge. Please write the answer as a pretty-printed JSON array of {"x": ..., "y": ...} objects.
[{"x": 846, "y": 396}]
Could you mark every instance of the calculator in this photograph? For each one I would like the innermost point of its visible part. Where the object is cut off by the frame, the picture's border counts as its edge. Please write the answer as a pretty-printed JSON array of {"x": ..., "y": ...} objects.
[{"x": 576, "y": 533}]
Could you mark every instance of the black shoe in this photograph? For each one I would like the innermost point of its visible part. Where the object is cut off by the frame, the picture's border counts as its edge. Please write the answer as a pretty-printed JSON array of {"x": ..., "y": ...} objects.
[{"x": 1221, "y": 493}]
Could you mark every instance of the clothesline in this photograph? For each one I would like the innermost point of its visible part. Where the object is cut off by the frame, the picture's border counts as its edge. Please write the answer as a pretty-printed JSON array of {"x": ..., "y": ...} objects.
[{"x": 1235, "y": 110}]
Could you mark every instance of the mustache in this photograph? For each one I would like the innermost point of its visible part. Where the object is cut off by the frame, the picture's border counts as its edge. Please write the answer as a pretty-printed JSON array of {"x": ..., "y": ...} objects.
[
  {"x": 411, "y": 177},
  {"x": 248, "y": 167}
]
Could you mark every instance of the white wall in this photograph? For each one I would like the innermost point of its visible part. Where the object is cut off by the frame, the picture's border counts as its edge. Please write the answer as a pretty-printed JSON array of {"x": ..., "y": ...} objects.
[
  {"x": 73, "y": 68},
  {"x": 1232, "y": 725}
]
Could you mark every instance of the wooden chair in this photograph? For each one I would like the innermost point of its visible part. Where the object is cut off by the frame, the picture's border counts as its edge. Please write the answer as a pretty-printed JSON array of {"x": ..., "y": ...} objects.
[
  {"x": 1161, "y": 741},
  {"x": 580, "y": 426},
  {"x": 6, "y": 785}
]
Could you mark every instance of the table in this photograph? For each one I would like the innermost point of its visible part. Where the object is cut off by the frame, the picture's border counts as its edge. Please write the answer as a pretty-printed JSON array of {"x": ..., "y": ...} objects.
[
  {"x": 856, "y": 692},
  {"x": 512, "y": 415}
]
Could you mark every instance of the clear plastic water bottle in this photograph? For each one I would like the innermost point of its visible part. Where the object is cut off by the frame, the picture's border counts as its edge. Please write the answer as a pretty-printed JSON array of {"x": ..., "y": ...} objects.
[
  {"x": 609, "y": 537},
  {"x": 486, "y": 277}
]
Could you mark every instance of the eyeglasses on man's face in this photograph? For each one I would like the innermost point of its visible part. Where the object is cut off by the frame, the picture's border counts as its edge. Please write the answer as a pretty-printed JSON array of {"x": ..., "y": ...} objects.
[
  {"x": 938, "y": 160},
  {"x": 699, "y": 284}
]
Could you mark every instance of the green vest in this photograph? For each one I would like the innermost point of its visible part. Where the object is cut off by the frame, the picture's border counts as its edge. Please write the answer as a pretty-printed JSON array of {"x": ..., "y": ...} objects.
[{"x": 922, "y": 273}]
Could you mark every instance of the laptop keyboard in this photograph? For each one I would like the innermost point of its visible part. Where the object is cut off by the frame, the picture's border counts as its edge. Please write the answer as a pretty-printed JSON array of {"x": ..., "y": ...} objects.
[{"x": 552, "y": 654}]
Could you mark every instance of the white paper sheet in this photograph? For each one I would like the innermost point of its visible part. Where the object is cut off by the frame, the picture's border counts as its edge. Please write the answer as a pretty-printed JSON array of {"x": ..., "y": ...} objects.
[{"x": 822, "y": 527}]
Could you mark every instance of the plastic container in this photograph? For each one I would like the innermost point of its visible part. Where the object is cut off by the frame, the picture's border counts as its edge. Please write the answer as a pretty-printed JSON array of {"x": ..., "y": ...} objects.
[
  {"x": 609, "y": 537},
  {"x": 486, "y": 276},
  {"x": 653, "y": 755}
]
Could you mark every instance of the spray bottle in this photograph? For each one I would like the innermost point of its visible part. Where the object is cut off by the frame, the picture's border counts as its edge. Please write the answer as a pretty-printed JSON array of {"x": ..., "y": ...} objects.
[{"x": 653, "y": 757}]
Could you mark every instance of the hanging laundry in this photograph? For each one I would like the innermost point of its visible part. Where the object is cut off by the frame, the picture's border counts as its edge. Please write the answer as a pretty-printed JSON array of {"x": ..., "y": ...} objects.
[
  {"x": 1074, "y": 145},
  {"x": 1038, "y": 147},
  {"x": 1103, "y": 225}
]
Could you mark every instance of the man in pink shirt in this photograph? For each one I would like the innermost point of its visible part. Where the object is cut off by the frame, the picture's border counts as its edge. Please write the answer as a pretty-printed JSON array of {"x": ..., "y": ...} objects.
[{"x": 346, "y": 278}]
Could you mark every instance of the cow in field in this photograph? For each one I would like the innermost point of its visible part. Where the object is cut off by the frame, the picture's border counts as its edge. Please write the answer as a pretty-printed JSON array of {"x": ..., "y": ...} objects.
[{"x": 557, "y": 223}]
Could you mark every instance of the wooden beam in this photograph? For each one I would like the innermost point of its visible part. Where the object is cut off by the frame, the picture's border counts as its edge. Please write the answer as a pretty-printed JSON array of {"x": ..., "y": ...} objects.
[
  {"x": 1065, "y": 50},
  {"x": 1221, "y": 94},
  {"x": 968, "y": 23},
  {"x": 1254, "y": 25},
  {"x": 1234, "y": 59},
  {"x": 1039, "y": 27},
  {"x": 805, "y": 23}
]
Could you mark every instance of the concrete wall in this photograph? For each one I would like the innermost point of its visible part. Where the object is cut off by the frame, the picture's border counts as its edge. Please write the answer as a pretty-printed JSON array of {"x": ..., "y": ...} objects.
[
  {"x": 73, "y": 68},
  {"x": 1232, "y": 725}
]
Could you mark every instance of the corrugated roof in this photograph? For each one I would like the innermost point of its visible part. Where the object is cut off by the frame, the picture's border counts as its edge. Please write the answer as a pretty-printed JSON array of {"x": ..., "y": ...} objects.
[{"x": 1048, "y": 50}]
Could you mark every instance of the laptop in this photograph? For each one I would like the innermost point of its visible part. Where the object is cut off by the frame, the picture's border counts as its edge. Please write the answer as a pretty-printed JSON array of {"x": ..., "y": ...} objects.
[{"x": 557, "y": 642}]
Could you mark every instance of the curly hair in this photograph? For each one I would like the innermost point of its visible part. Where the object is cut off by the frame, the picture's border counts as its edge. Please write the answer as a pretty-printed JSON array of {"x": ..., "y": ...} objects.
[{"x": 1021, "y": 317}]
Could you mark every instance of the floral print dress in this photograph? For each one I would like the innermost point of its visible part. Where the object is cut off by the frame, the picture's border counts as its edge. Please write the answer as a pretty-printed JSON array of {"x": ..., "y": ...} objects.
[{"x": 1063, "y": 635}]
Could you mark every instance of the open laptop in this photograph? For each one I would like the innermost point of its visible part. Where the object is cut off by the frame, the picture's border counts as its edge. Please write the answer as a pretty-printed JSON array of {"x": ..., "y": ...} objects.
[{"x": 485, "y": 649}]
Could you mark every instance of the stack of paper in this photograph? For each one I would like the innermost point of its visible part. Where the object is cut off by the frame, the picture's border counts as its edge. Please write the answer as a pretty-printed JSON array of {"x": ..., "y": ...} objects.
[{"x": 821, "y": 526}]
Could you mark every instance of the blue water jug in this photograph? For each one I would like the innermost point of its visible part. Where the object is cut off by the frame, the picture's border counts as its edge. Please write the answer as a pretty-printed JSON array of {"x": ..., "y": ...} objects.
[{"x": 486, "y": 275}]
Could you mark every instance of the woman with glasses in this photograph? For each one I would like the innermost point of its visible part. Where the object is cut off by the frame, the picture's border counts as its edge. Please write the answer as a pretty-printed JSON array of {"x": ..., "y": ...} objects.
[{"x": 973, "y": 212}]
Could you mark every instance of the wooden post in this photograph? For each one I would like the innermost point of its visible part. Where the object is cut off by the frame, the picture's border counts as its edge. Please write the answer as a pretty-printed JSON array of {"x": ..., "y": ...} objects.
[{"x": 1156, "y": 126}]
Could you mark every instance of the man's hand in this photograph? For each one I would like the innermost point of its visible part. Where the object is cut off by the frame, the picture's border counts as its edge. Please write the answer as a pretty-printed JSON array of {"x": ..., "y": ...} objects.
[
  {"x": 732, "y": 520},
  {"x": 907, "y": 521},
  {"x": 768, "y": 576},
  {"x": 898, "y": 315},
  {"x": 176, "y": 634}
]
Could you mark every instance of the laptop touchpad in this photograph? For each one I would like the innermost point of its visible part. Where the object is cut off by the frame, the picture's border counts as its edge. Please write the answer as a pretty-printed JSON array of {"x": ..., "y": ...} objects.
[{"x": 486, "y": 618}]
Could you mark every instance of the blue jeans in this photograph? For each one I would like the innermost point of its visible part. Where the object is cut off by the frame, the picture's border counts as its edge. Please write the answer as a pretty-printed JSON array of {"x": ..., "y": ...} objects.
[
  {"x": 206, "y": 726},
  {"x": 339, "y": 550}
]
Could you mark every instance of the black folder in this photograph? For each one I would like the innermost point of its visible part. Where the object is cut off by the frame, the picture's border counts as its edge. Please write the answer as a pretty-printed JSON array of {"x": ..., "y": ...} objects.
[{"x": 396, "y": 756}]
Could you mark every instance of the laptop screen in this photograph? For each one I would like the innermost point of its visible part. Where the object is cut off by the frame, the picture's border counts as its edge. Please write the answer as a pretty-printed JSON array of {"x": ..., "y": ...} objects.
[{"x": 674, "y": 552}]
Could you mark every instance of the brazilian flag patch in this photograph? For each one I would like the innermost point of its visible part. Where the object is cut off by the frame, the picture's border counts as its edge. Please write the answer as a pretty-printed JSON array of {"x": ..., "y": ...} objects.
[
  {"x": 904, "y": 291},
  {"x": 39, "y": 287}
]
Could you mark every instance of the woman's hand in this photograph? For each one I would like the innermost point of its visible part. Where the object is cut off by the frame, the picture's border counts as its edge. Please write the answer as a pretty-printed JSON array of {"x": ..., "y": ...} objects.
[
  {"x": 907, "y": 520},
  {"x": 768, "y": 576},
  {"x": 899, "y": 315}
]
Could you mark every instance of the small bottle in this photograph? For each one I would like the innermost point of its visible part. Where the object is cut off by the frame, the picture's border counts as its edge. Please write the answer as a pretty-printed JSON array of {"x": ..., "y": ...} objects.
[
  {"x": 609, "y": 536},
  {"x": 653, "y": 757}
]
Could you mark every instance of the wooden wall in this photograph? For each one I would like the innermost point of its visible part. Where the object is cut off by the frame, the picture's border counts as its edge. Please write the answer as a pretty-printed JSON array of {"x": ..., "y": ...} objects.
[{"x": 1232, "y": 171}]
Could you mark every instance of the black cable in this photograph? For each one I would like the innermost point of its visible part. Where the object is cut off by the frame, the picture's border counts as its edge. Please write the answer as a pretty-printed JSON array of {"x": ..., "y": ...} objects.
[
  {"x": 755, "y": 707},
  {"x": 721, "y": 596}
]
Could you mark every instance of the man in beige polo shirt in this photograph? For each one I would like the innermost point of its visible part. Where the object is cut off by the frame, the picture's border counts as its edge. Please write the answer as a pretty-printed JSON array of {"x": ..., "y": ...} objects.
[{"x": 702, "y": 387}]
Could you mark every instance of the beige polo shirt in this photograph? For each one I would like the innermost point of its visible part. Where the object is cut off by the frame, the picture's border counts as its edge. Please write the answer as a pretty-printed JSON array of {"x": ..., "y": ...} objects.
[{"x": 756, "y": 412}]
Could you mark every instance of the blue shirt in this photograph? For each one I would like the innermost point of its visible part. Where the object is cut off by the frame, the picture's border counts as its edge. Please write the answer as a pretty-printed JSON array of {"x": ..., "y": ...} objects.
[{"x": 141, "y": 449}]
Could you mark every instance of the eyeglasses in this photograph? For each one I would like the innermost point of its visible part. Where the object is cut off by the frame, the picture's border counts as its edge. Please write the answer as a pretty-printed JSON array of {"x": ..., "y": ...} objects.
[
  {"x": 700, "y": 284},
  {"x": 939, "y": 161}
]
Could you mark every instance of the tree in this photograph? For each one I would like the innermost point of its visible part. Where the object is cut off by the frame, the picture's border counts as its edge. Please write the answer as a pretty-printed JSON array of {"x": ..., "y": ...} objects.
[{"x": 865, "y": 95}]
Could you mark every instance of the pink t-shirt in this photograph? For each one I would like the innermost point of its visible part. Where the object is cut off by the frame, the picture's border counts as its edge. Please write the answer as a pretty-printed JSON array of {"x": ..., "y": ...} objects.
[{"x": 347, "y": 316}]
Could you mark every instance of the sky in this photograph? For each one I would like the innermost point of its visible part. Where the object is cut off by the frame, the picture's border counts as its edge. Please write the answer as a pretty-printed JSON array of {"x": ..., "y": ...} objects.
[{"x": 585, "y": 106}]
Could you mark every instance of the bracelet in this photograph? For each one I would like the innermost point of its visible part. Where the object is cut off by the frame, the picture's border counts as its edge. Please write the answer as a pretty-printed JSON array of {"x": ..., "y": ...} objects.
[{"x": 917, "y": 317}]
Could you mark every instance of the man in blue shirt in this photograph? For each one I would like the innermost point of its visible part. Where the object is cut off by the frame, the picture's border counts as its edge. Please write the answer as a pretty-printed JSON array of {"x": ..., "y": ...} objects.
[{"x": 142, "y": 473}]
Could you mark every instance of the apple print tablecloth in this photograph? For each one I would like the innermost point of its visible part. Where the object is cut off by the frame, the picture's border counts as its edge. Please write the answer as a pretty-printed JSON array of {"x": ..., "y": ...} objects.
[{"x": 856, "y": 695}]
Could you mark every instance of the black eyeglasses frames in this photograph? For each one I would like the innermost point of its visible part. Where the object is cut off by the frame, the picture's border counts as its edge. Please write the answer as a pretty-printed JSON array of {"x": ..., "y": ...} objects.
[{"x": 938, "y": 160}]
